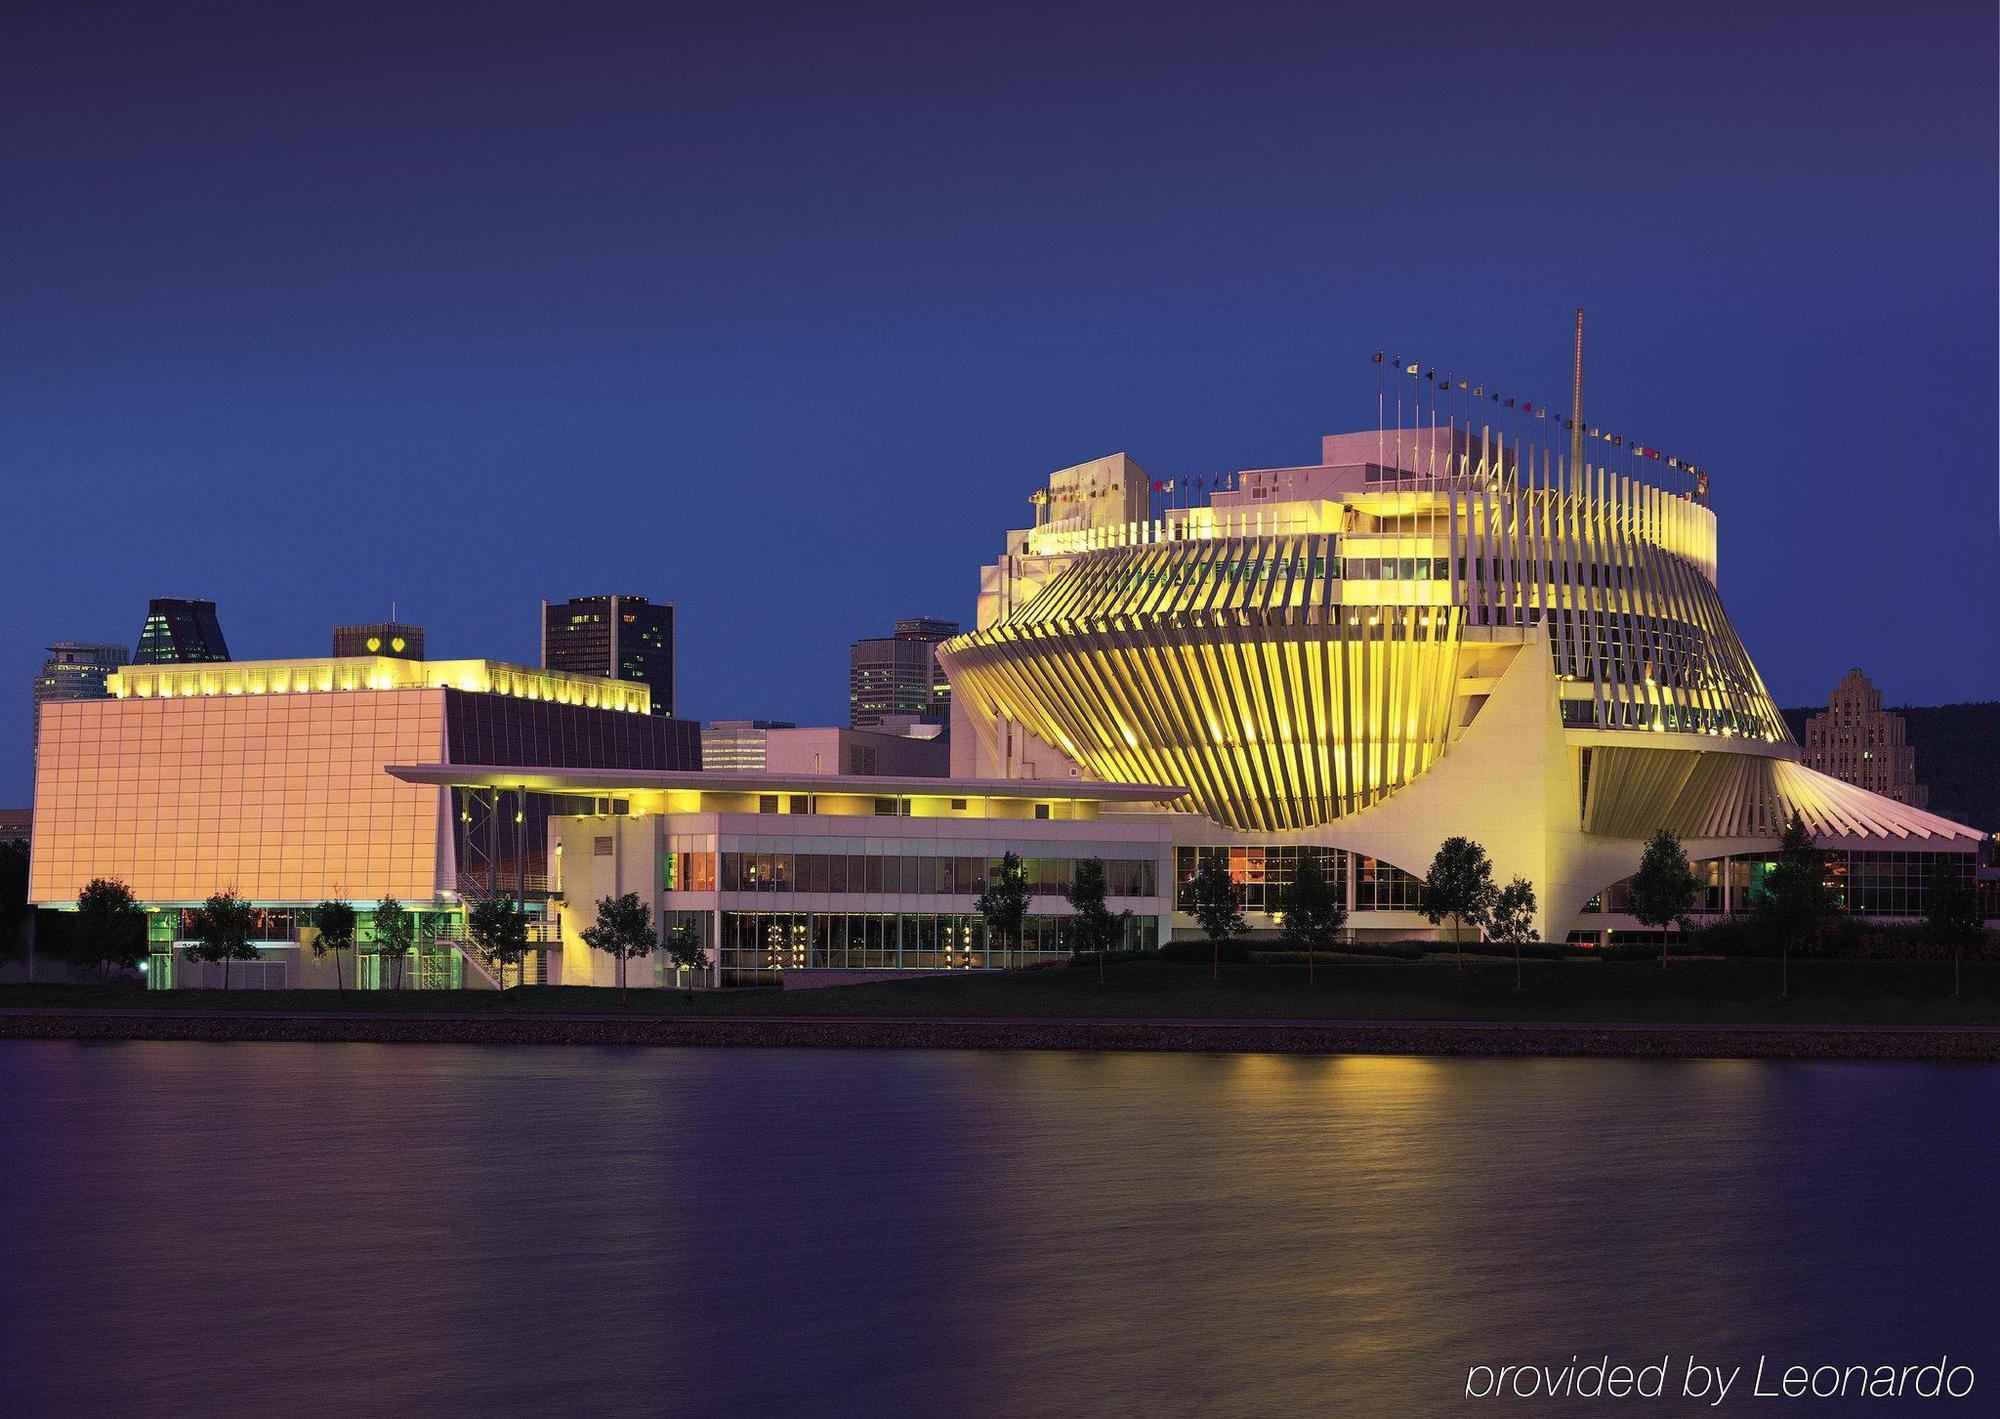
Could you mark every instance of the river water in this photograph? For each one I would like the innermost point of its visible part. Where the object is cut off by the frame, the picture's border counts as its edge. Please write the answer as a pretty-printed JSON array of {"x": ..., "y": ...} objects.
[{"x": 354, "y": 1229}]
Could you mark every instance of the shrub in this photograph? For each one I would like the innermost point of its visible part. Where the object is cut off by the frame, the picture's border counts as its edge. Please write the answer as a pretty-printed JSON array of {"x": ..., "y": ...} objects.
[
  {"x": 1200, "y": 951},
  {"x": 1530, "y": 950},
  {"x": 1847, "y": 938}
]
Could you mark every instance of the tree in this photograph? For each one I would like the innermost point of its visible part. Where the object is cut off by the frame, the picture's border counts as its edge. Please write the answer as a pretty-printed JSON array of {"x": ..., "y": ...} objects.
[
  {"x": 499, "y": 928},
  {"x": 1512, "y": 919},
  {"x": 1951, "y": 908},
  {"x": 220, "y": 931},
  {"x": 395, "y": 933},
  {"x": 109, "y": 929},
  {"x": 1792, "y": 901},
  {"x": 1313, "y": 912},
  {"x": 1093, "y": 926},
  {"x": 1004, "y": 903},
  {"x": 1217, "y": 903},
  {"x": 684, "y": 949},
  {"x": 333, "y": 925},
  {"x": 1664, "y": 886},
  {"x": 624, "y": 929},
  {"x": 1459, "y": 886}
]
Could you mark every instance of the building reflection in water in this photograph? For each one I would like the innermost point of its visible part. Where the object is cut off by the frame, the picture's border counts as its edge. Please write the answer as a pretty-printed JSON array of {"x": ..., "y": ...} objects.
[{"x": 483, "y": 1230}]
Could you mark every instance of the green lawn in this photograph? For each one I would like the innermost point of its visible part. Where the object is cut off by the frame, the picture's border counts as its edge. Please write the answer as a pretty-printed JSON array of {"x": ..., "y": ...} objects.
[{"x": 1745, "y": 991}]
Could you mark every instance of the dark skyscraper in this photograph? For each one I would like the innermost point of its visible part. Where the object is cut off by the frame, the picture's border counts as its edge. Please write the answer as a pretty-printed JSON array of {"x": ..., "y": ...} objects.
[
  {"x": 385, "y": 638},
  {"x": 626, "y": 637},
  {"x": 180, "y": 632},
  {"x": 899, "y": 675}
]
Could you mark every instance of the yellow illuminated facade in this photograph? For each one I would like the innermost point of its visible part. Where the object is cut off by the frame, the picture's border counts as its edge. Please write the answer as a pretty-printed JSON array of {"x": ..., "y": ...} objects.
[
  {"x": 282, "y": 797},
  {"x": 269, "y": 777},
  {"x": 377, "y": 672},
  {"x": 1404, "y": 642}
]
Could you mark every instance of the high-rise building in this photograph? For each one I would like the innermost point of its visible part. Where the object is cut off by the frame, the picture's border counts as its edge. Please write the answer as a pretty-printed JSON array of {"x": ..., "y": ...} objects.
[
  {"x": 625, "y": 637},
  {"x": 386, "y": 638},
  {"x": 75, "y": 670},
  {"x": 899, "y": 674},
  {"x": 1857, "y": 741},
  {"x": 180, "y": 632}
]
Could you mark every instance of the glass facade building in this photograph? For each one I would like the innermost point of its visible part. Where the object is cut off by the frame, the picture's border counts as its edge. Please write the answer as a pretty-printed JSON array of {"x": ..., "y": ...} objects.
[
  {"x": 179, "y": 632},
  {"x": 624, "y": 637},
  {"x": 898, "y": 677}
]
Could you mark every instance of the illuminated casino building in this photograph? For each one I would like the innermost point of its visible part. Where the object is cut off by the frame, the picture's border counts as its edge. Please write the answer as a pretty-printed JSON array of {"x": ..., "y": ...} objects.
[{"x": 1427, "y": 633}]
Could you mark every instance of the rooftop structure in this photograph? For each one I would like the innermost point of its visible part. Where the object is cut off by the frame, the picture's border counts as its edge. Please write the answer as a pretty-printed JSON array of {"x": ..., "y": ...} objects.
[
  {"x": 381, "y": 638},
  {"x": 738, "y": 745}
]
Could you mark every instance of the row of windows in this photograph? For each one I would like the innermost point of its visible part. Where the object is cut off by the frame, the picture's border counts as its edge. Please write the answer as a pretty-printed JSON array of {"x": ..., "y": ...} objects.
[
  {"x": 884, "y": 874},
  {"x": 1262, "y": 874},
  {"x": 758, "y": 947},
  {"x": 1689, "y": 719},
  {"x": 285, "y": 923},
  {"x": 1863, "y": 883}
]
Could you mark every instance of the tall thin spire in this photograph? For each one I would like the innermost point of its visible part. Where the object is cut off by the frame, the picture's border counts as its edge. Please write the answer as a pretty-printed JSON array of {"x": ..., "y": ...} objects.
[{"x": 1576, "y": 404}]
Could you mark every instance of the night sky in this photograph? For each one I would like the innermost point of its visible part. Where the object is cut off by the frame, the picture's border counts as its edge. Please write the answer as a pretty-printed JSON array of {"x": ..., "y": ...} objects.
[{"x": 781, "y": 313}]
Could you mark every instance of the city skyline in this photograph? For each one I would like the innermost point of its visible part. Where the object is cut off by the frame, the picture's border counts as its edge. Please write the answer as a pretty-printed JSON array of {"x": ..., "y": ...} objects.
[{"x": 412, "y": 391}]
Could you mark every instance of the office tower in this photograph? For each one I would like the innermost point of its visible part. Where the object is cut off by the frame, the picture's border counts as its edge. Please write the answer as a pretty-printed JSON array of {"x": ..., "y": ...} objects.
[
  {"x": 75, "y": 670},
  {"x": 180, "y": 632},
  {"x": 625, "y": 637},
  {"x": 899, "y": 674},
  {"x": 1858, "y": 742}
]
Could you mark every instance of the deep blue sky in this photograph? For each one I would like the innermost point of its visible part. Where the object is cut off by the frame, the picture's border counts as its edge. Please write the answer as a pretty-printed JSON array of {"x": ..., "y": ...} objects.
[{"x": 780, "y": 313}]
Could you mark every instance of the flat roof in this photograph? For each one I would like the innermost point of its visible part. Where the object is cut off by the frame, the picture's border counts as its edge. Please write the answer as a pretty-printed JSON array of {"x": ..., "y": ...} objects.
[{"x": 596, "y": 781}]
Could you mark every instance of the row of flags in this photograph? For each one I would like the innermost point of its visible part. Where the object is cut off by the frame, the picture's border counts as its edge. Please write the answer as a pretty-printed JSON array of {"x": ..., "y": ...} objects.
[{"x": 1526, "y": 406}]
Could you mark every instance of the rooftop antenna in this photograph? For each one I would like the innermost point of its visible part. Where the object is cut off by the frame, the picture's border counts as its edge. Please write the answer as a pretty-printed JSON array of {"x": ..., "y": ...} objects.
[
  {"x": 392, "y": 610},
  {"x": 1576, "y": 405}
]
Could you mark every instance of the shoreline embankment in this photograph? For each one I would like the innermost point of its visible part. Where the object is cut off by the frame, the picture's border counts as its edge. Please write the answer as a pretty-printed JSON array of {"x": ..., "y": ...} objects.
[{"x": 1498, "y": 1039}]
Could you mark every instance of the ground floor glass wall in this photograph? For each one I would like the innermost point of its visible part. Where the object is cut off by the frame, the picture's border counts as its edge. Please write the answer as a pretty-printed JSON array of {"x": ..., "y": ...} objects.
[{"x": 756, "y": 947}]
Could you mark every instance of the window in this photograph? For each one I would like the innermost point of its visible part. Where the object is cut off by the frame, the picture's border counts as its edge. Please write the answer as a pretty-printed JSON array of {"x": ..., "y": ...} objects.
[
  {"x": 1042, "y": 811},
  {"x": 767, "y": 803},
  {"x": 885, "y": 807}
]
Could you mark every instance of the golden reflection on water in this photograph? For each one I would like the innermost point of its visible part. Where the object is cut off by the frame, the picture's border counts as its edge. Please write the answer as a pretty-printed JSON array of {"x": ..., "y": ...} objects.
[{"x": 446, "y": 1230}]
